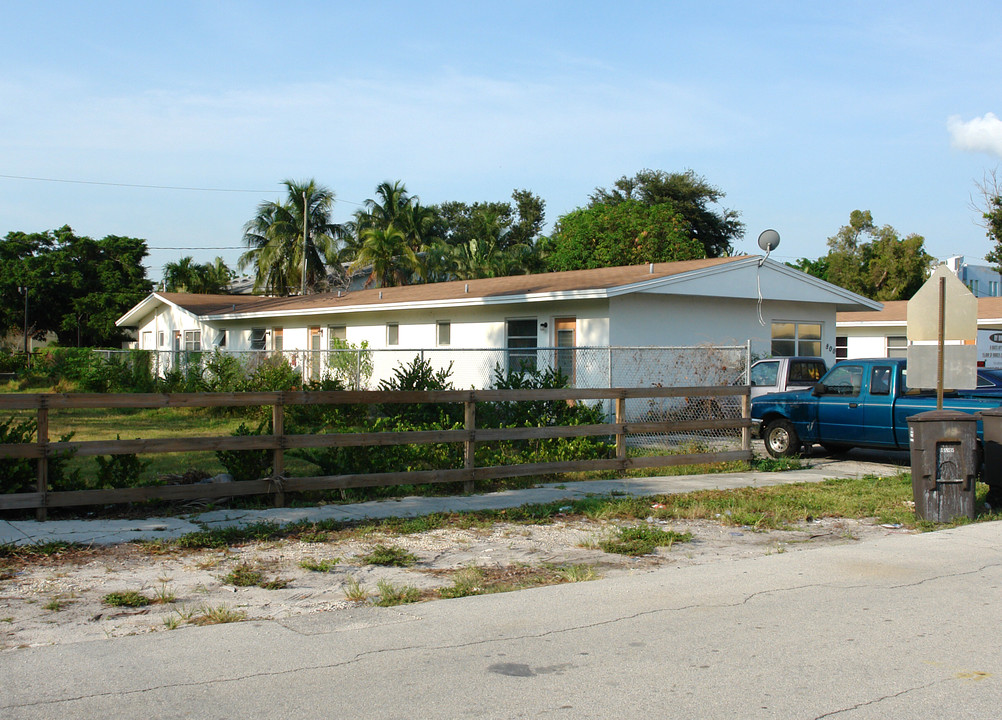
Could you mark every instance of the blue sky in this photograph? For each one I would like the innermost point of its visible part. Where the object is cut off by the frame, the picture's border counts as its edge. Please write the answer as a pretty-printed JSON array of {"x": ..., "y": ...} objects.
[{"x": 800, "y": 112}]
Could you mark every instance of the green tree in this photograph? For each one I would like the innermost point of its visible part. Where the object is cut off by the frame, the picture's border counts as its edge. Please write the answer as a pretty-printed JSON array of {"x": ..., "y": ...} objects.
[
  {"x": 874, "y": 261},
  {"x": 818, "y": 268},
  {"x": 384, "y": 250},
  {"x": 991, "y": 217},
  {"x": 187, "y": 276},
  {"x": 276, "y": 244},
  {"x": 627, "y": 232},
  {"x": 690, "y": 196},
  {"x": 77, "y": 287},
  {"x": 487, "y": 239}
]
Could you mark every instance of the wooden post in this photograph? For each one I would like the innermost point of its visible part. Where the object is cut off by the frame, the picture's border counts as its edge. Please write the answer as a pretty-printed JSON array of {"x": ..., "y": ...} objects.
[
  {"x": 746, "y": 415},
  {"x": 621, "y": 436},
  {"x": 278, "y": 459},
  {"x": 42, "y": 433},
  {"x": 469, "y": 447}
]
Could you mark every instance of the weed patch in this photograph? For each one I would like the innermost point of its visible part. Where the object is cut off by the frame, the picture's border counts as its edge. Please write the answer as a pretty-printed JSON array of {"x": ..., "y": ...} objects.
[
  {"x": 128, "y": 598},
  {"x": 641, "y": 540},
  {"x": 389, "y": 556},
  {"x": 389, "y": 594},
  {"x": 320, "y": 566}
]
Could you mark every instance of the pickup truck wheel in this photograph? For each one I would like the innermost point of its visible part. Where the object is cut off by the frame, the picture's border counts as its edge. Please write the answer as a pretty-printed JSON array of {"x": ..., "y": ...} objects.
[{"x": 781, "y": 439}]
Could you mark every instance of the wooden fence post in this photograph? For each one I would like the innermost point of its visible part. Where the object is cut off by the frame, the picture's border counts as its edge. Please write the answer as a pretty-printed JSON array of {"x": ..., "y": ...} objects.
[
  {"x": 621, "y": 436},
  {"x": 278, "y": 457},
  {"x": 469, "y": 447},
  {"x": 42, "y": 433}
]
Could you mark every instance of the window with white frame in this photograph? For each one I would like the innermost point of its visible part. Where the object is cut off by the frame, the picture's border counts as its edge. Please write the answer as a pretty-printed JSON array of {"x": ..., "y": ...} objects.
[
  {"x": 337, "y": 336},
  {"x": 257, "y": 338},
  {"x": 796, "y": 338},
  {"x": 521, "y": 342},
  {"x": 392, "y": 334},
  {"x": 160, "y": 339},
  {"x": 193, "y": 340},
  {"x": 444, "y": 334},
  {"x": 897, "y": 346}
]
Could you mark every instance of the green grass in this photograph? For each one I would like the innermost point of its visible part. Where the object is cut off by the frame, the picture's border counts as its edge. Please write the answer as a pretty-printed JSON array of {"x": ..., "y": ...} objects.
[
  {"x": 388, "y": 556},
  {"x": 129, "y": 598},
  {"x": 641, "y": 540},
  {"x": 320, "y": 566},
  {"x": 389, "y": 594},
  {"x": 484, "y": 581},
  {"x": 209, "y": 615},
  {"x": 243, "y": 576}
]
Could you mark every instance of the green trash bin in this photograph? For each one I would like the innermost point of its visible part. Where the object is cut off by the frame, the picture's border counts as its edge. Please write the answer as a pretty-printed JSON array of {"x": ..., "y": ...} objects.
[{"x": 944, "y": 458}]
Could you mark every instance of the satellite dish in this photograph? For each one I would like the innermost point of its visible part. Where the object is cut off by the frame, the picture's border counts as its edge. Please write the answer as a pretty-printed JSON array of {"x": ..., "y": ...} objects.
[{"x": 768, "y": 240}]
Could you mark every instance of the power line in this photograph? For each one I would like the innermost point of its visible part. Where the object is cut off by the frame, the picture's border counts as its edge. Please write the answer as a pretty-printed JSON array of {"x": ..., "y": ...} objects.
[
  {"x": 135, "y": 185},
  {"x": 209, "y": 247},
  {"x": 155, "y": 187}
]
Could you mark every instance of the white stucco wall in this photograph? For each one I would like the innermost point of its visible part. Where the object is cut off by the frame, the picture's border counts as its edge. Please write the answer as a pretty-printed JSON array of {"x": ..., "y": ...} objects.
[{"x": 649, "y": 319}]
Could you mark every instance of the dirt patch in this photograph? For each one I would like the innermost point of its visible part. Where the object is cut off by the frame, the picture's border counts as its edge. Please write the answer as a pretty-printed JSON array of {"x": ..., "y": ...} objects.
[{"x": 60, "y": 599}]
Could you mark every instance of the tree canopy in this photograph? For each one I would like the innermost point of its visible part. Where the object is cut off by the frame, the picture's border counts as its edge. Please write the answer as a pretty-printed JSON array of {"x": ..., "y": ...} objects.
[
  {"x": 690, "y": 196},
  {"x": 873, "y": 261},
  {"x": 277, "y": 246},
  {"x": 991, "y": 217},
  {"x": 627, "y": 232},
  {"x": 187, "y": 276},
  {"x": 77, "y": 287}
]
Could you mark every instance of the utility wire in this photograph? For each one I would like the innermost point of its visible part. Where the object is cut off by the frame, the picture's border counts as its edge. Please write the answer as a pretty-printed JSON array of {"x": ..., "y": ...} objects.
[{"x": 155, "y": 187}]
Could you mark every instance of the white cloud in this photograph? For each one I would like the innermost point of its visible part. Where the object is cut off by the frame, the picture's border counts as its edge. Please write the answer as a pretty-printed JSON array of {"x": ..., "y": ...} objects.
[{"x": 983, "y": 134}]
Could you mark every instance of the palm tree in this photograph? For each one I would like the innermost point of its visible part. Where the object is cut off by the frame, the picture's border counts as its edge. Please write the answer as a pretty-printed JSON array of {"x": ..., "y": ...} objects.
[
  {"x": 276, "y": 243},
  {"x": 395, "y": 219},
  {"x": 187, "y": 276},
  {"x": 179, "y": 276},
  {"x": 385, "y": 250}
]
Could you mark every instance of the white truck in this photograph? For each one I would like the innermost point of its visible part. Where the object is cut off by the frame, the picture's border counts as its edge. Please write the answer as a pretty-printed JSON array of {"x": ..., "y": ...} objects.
[{"x": 779, "y": 374}]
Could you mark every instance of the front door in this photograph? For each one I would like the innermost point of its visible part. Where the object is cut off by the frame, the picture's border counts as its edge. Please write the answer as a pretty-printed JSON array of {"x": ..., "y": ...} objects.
[
  {"x": 315, "y": 353},
  {"x": 565, "y": 330}
]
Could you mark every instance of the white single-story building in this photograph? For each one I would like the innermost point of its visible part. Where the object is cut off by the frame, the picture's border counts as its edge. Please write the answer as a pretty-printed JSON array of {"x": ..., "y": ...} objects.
[
  {"x": 884, "y": 333},
  {"x": 716, "y": 301}
]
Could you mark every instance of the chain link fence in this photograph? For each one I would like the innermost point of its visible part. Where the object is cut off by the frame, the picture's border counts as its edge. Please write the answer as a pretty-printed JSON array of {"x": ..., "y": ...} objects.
[{"x": 584, "y": 367}]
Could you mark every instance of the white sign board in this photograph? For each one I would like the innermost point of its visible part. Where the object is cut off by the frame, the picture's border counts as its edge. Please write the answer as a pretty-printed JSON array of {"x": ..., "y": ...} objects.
[{"x": 990, "y": 349}]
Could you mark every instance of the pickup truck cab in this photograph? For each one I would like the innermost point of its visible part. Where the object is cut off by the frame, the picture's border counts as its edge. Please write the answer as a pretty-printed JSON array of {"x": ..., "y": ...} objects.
[
  {"x": 858, "y": 403},
  {"x": 780, "y": 374}
]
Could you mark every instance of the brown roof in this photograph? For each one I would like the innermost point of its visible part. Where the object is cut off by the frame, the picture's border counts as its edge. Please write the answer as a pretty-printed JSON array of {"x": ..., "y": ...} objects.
[
  {"x": 516, "y": 285},
  {"x": 897, "y": 311},
  {"x": 212, "y": 304}
]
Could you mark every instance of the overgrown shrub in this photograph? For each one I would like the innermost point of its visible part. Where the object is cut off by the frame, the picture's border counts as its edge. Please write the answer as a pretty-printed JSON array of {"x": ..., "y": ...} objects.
[
  {"x": 350, "y": 364},
  {"x": 420, "y": 375},
  {"x": 17, "y": 474},
  {"x": 120, "y": 471},
  {"x": 247, "y": 464}
]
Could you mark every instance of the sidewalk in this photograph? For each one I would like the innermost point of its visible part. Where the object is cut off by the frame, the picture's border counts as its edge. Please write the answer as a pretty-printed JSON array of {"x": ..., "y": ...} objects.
[{"x": 110, "y": 531}]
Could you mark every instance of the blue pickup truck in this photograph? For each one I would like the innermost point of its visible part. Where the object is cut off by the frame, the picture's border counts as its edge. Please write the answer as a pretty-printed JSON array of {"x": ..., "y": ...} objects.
[{"x": 858, "y": 403}]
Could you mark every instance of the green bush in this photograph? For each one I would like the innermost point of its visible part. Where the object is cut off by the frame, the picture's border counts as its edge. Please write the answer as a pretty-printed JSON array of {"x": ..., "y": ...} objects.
[
  {"x": 17, "y": 474},
  {"x": 120, "y": 471},
  {"x": 248, "y": 464}
]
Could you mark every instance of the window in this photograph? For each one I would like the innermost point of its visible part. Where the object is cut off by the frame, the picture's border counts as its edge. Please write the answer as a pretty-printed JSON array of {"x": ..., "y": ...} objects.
[
  {"x": 841, "y": 347},
  {"x": 765, "y": 374},
  {"x": 793, "y": 338},
  {"x": 337, "y": 336},
  {"x": 277, "y": 339},
  {"x": 844, "y": 380},
  {"x": 880, "y": 380},
  {"x": 897, "y": 346},
  {"x": 806, "y": 371},
  {"x": 392, "y": 334},
  {"x": 521, "y": 344},
  {"x": 222, "y": 338},
  {"x": 193, "y": 340},
  {"x": 444, "y": 332},
  {"x": 257, "y": 338},
  {"x": 160, "y": 338}
]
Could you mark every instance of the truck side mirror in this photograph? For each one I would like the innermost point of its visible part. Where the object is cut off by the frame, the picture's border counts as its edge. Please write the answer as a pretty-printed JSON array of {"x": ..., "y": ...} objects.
[{"x": 819, "y": 390}]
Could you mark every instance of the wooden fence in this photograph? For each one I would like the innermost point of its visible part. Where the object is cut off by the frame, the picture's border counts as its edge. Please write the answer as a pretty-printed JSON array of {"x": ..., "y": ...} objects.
[{"x": 278, "y": 441}]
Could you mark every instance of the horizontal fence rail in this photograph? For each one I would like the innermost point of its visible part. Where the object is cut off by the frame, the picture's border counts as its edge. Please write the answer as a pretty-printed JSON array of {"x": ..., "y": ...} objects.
[{"x": 278, "y": 442}]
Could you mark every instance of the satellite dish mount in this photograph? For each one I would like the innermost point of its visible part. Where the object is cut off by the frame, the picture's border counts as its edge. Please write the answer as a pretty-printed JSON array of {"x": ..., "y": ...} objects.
[{"x": 768, "y": 240}]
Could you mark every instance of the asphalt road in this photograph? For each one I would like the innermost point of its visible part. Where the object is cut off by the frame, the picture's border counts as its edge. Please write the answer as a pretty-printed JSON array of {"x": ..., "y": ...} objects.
[{"x": 901, "y": 627}]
